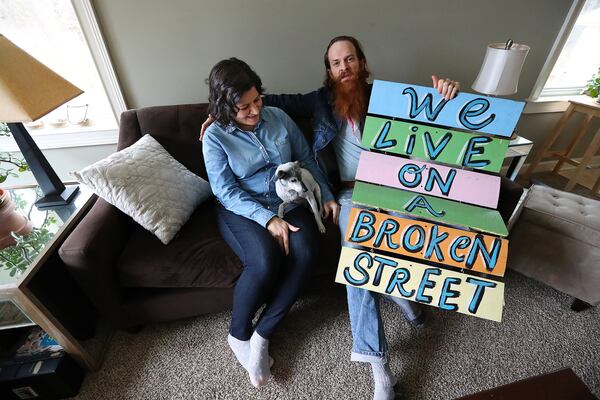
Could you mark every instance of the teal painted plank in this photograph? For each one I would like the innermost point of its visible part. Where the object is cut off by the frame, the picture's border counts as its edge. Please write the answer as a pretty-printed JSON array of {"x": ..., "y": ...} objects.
[
  {"x": 434, "y": 144},
  {"x": 440, "y": 210}
]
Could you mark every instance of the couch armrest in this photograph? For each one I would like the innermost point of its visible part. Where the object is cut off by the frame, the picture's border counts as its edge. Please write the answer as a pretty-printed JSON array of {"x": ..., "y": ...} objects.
[{"x": 91, "y": 252}]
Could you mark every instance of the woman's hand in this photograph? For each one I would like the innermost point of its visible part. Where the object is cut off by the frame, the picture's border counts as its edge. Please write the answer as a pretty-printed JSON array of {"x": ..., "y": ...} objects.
[
  {"x": 446, "y": 87},
  {"x": 205, "y": 125},
  {"x": 331, "y": 207},
  {"x": 279, "y": 229}
]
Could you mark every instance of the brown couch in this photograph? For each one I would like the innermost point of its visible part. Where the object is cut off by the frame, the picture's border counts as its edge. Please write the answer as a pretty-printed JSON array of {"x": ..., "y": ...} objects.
[
  {"x": 128, "y": 274},
  {"x": 132, "y": 278}
]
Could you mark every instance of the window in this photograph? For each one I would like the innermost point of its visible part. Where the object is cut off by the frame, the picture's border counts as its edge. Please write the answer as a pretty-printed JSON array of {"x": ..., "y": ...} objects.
[
  {"x": 579, "y": 58},
  {"x": 51, "y": 31},
  {"x": 572, "y": 61}
]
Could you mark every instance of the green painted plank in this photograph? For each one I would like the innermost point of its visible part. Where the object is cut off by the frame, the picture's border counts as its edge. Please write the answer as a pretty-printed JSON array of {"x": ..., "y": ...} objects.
[
  {"x": 478, "y": 218},
  {"x": 395, "y": 137}
]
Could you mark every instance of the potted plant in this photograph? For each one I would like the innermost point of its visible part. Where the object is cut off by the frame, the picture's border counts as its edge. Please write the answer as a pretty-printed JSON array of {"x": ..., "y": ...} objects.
[
  {"x": 592, "y": 87},
  {"x": 8, "y": 162}
]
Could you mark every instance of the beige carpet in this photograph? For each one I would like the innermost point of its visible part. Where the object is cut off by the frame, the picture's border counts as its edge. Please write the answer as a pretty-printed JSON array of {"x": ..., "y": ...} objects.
[{"x": 454, "y": 355}]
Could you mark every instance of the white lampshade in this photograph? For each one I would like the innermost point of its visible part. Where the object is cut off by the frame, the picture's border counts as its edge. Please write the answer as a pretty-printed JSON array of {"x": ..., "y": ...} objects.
[{"x": 499, "y": 73}]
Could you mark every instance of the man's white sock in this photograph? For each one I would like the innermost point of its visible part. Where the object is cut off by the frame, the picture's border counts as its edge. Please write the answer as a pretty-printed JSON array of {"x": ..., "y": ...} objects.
[
  {"x": 384, "y": 382},
  {"x": 258, "y": 363}
]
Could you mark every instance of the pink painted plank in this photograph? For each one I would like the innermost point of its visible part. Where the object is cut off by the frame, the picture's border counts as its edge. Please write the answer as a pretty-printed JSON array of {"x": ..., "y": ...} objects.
[{"x": 466, "y": 186}]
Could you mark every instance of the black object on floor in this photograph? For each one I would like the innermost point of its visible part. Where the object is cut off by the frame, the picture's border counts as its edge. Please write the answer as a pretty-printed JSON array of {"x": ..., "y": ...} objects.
[{"x": 50, "y": 376}]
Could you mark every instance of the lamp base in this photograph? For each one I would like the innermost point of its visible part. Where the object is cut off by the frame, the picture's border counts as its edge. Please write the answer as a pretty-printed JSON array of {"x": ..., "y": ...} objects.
[{"x": 57, "y": 200}]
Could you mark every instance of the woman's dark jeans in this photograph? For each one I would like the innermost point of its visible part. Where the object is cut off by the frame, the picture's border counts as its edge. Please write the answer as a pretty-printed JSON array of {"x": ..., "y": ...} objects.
[{"x": 269, "y": 276}]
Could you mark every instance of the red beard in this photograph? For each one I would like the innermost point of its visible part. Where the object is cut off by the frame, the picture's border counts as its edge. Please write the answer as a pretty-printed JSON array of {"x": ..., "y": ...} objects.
[{"x": 351, "y": 98}]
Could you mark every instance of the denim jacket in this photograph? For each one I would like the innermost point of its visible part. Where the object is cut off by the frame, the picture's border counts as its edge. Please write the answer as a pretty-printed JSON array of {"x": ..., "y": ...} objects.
[
  {"x": 241, "y": 165},
  {"x": 319, "y": 107}
]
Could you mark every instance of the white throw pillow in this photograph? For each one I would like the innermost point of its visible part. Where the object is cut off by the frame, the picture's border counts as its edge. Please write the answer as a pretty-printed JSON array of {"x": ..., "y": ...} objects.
[{"x": 148, "y": 184}]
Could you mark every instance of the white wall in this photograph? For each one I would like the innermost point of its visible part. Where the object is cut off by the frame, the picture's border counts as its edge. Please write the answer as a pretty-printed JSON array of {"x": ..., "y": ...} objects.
[{"x": 163, "y": 51}]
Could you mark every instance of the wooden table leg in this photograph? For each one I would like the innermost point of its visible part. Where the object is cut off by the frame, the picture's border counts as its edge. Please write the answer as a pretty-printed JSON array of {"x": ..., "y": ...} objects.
[
  {"x": 596, "y": 187},
  {"x": 580, "y": 132},
  {"x": 587, "y": 157},
  {"x": 549, "y": 142}
]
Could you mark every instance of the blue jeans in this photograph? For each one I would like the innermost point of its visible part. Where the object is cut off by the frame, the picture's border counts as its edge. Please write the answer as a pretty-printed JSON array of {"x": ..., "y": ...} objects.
[
  {"x": 269, "y": 276},
  {"x": 368, "y": 336}
]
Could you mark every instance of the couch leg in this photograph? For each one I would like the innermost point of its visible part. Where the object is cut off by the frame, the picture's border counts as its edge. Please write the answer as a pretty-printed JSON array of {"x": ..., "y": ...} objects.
[{"x": 580, "y": 305}]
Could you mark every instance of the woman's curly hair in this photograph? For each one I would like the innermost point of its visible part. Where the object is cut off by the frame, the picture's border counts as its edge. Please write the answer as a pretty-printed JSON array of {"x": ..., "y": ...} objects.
[{"x": 228, "y": 81}]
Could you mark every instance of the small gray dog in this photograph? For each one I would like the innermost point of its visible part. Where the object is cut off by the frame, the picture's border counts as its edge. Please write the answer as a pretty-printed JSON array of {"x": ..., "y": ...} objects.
[{"x": 295, "y": 184}]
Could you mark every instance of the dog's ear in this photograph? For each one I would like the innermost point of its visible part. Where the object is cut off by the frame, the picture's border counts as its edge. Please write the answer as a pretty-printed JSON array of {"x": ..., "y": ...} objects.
[{"x": 296, "y": 163}]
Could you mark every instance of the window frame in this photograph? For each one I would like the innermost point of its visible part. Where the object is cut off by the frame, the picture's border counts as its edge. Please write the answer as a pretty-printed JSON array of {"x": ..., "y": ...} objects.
[
  {"x": 554, "y": 103},
  {"x": 88, "y": 21}
]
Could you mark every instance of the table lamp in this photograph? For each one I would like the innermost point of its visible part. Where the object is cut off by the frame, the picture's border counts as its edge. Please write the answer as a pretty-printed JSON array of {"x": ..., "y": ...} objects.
[
  {"x": 501, "y": 68},
  {"x": 28, "y": 91}
]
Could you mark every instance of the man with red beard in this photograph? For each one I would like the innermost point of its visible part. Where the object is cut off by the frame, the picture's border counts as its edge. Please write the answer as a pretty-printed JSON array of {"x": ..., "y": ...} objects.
[{"x": 338, "y": 111}]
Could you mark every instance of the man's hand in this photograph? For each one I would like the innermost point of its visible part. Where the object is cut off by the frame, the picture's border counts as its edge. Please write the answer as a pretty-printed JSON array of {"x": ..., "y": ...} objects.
[
  {"x": 331, "y": 207},
  {"x": 446, "y": 87},
  {"x": 205, "y": 125},
  {"x": 279, "y": 229}
]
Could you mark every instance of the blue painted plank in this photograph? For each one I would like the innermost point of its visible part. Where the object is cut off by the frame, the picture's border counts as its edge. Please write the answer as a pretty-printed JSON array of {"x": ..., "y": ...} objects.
[{"x": 467, "y": 111}]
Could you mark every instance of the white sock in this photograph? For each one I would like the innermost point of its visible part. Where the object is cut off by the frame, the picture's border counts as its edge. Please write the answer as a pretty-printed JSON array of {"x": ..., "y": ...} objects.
[
  {"x": 241, "y": 349},
  {"x": 258, "y": 362},
  {"x": 384, "y": 382}
]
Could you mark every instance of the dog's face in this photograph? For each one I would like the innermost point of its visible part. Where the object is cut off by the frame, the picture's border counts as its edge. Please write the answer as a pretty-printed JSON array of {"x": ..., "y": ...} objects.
[{"x": 289, "y": 176}]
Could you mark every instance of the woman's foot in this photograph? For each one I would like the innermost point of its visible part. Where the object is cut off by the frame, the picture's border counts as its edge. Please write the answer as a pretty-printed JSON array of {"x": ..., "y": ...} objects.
[
  {"x": 241, "y": 350},
  {"x": 259, "y": 361}
]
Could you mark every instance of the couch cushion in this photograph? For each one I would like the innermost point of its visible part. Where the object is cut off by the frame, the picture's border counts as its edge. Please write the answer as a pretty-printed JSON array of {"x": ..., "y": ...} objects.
[{"x": 196, "y": 257}]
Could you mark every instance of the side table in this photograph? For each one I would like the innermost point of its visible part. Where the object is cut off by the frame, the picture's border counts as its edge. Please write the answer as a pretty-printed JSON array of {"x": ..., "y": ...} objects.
[
  {"x": 518, "y": 150},
  {"x": 591, "y": 110},
  {"x": 36, "y": 288}
]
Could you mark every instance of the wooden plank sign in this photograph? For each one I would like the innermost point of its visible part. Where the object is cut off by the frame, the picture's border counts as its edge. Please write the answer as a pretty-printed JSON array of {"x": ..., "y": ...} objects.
[
  {"x": 431, "y": 143},
  {"x": 466, "y": 111},
  {"x": 443, "y": 264},
  {"x": 430, "y": 208},
  {"x": 448, "y": 290},
  {"x": 426, "y": 178},
  {"x": 429, "y": 242}
]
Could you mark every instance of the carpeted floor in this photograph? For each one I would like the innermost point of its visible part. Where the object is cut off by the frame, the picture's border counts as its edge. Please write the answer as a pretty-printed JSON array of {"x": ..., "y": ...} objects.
[{"x": 453, "y": 355}]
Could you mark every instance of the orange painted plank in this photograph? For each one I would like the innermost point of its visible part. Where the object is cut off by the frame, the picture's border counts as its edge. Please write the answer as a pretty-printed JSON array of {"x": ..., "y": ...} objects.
[{"x": 427, "y": 241}]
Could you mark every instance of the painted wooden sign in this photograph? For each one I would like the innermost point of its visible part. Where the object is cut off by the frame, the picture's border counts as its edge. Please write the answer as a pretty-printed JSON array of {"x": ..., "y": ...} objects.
[
  {"x": 448, "y": 290},
  {"x": 434, "y": 144},
  {"x": 433, "y": 179},
  {"x": 466, "y": 111},
  {"x": 429, "y": 242},
  {"x": 430, "y": 208}
]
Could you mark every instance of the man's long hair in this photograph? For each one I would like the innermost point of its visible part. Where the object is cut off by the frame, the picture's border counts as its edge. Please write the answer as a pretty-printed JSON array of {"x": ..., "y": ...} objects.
[{"x": 227, "y": 83}]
